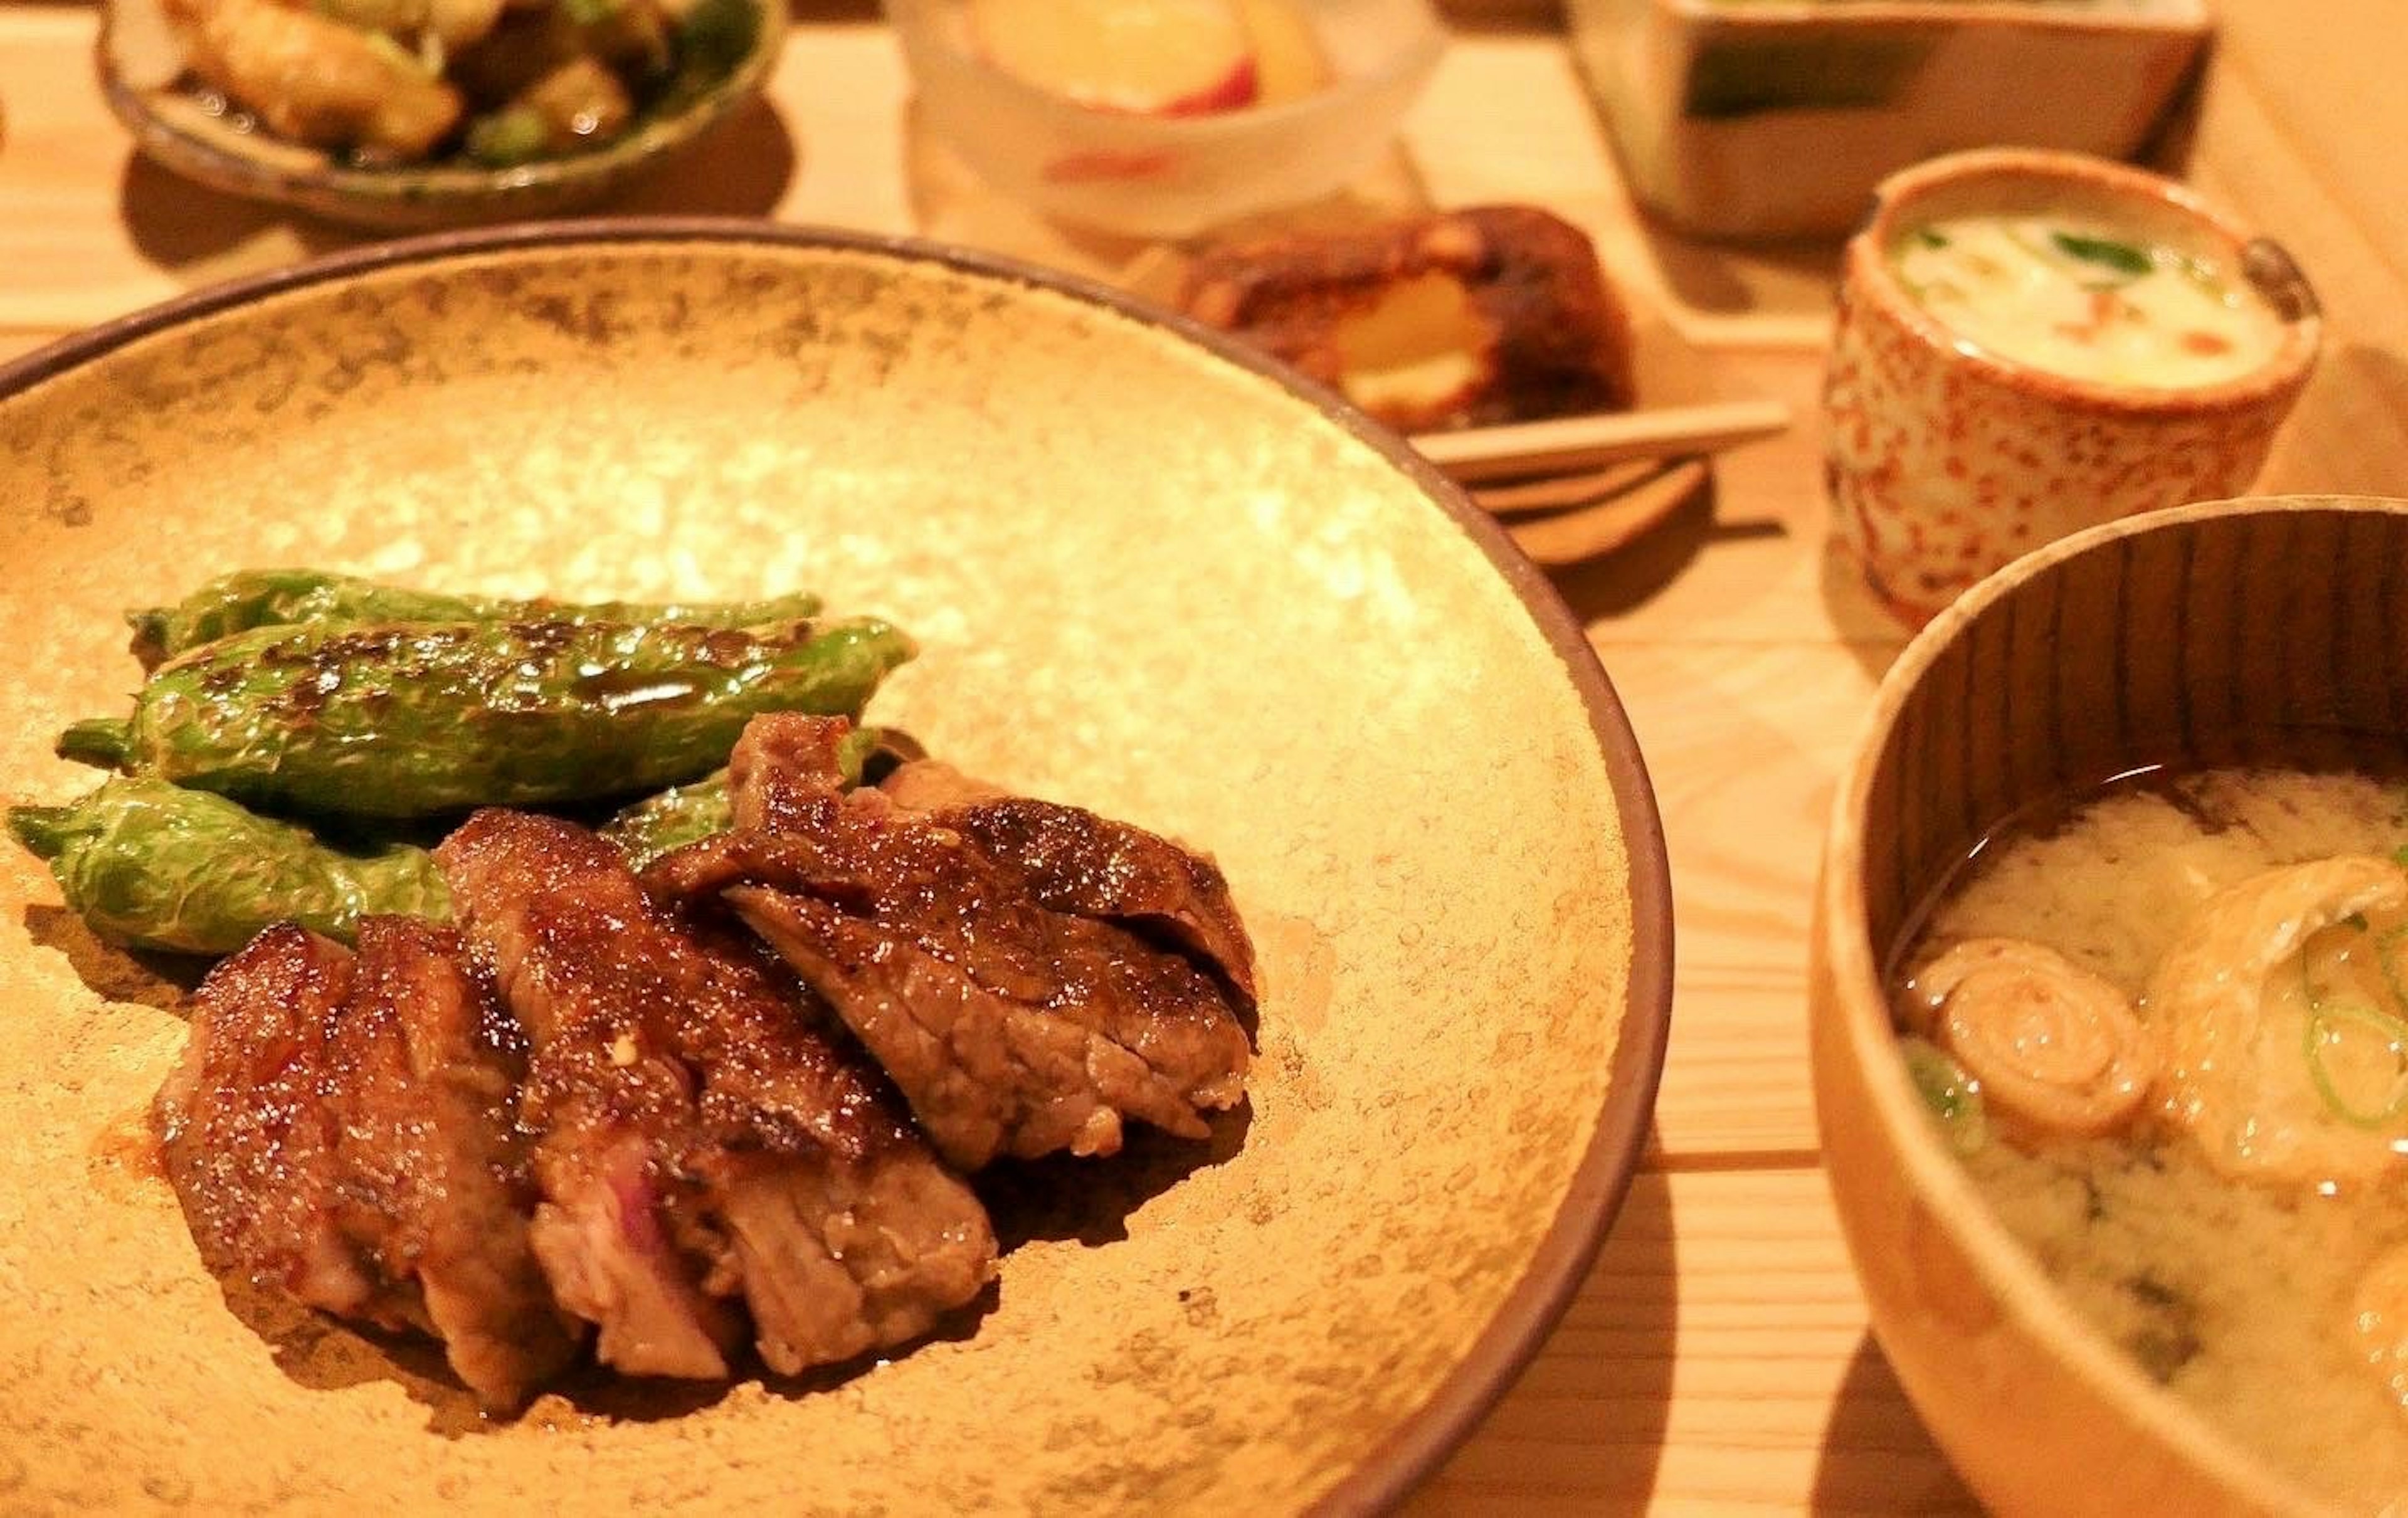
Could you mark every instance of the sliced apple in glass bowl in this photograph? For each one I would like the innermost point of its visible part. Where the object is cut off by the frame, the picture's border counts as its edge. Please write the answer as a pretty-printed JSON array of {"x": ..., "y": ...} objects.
[
  {"x": 1166, "y": 118},
  {"x": 1149, "y": 57}
]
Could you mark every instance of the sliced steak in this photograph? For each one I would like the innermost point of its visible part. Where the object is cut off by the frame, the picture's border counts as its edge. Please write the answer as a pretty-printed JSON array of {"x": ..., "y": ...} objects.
[
  {"x": 702, "y": 1136},
  {"x": 423, "y": 1070},
  {"x": 1067, "y": 858},
  {"x": 851, "y": 1236},
  {"x": 248, "y": 1142},
  {"x": 1011, "y": 1026},
  {"x": 1073, "y": 861},
  {"x": 611, "y": 1103}
]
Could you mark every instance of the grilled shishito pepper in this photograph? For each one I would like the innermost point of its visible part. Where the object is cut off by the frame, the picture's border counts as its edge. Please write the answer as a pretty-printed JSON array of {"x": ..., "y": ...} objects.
[
  {"x": 416, "y": 718},
  {"x": 249, "y": 598},
  {"x": 670, "y": 820},
  {"x": 683, "y": 814},
  {"x": 157, "y": 866}
]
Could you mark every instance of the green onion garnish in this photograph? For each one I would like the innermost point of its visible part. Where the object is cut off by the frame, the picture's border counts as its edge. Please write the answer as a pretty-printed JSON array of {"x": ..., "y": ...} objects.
[
  {"x": 1954, "y": 1096},
  {"x": 2106, "y": 253},
  {"x": 2333, "y": 1024},
  {"x": 2327, "y": 1026}
]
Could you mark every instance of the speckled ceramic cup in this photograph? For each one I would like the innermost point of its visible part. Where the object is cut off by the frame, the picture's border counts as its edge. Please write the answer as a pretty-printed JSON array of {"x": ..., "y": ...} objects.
[{"x": 1945, "y": 462}]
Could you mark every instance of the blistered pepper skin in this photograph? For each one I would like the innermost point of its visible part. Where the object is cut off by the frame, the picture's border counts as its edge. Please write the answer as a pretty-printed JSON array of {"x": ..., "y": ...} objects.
[
  {"x": 420, "y": 719},
  {"x": 155, "y": 866},
  {"x": 252, "y": 598}
]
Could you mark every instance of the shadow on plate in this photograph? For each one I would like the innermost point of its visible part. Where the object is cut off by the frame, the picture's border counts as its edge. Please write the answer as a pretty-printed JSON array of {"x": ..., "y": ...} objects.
[
  {"x": 325, "y": 1353},
  {"x": 1877, "y": 1456},
  {"x": 113, "y": 973},
  {"x": 1063, "y": 1198}
]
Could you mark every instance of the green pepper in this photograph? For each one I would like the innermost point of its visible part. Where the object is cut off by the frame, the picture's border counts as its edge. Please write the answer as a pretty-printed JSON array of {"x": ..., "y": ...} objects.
[
  {"x": 684, "y": 814},
  {"x": 671, "y": 819},
  {"x": 155, "y": 866},
  {"x": 249, "y": 598},
  {"x": 417, "y": 719},
  {"x": 508, "y": 137}
]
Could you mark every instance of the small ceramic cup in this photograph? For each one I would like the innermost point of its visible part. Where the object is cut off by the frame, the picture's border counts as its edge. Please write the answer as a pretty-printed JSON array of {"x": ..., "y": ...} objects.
[{"x": 1946, "y": 460}]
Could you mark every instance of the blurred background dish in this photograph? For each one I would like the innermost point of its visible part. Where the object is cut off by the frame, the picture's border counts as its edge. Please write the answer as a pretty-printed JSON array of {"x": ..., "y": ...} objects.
[
  {"x": 1776, "y": 118},
  {"x": 2032, "y": 342},
  {"x": 2139, "y": 1300},
  {"x": 1166, "y": 118},
  {"x": 412, "y": 115}
]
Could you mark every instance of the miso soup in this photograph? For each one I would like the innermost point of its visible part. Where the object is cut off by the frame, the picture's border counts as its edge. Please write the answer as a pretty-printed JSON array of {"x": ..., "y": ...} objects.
[{"x": 2166, "y": 1030}]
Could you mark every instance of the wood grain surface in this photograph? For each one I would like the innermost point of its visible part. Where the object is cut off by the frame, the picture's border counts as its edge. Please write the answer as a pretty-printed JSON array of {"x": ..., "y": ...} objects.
[{"x": 1716, "y": 1360}]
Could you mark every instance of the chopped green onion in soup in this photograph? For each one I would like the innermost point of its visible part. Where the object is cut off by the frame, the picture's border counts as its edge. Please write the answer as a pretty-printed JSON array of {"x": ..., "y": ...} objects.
[{"x": 1954, "y": 1096}]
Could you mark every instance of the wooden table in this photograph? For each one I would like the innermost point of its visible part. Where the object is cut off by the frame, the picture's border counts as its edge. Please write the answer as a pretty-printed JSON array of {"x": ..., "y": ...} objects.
[{"x": 1717, "y": 1359}]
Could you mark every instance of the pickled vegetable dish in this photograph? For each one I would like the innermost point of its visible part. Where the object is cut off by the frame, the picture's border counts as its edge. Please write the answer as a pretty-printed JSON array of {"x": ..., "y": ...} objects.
[
  {"x": 2166, "y": 1030},
  {"x": 387, "y": 83},
  {"x": 2088, "y": 301}
]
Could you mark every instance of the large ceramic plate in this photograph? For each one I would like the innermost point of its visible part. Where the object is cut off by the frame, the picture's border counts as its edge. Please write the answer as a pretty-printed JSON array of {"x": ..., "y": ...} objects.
[{"x": 1149, "y": 576}]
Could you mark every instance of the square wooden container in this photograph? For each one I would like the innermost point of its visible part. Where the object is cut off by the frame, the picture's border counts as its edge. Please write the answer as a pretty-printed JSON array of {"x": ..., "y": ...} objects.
[{"x": 1776, "y": 118}]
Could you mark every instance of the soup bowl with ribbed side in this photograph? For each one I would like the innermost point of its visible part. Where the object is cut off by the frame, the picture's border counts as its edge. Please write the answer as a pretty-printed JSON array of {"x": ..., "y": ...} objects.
[{"x": 2246, "y": 632}]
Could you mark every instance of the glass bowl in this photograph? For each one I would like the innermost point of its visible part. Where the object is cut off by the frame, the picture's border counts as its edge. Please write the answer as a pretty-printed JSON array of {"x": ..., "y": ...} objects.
[{"x": 1174, "y": 175}]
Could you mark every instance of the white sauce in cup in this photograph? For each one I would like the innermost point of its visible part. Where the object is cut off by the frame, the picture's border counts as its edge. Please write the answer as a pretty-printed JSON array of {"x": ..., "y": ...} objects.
[{"x": 2086, "y": 301}]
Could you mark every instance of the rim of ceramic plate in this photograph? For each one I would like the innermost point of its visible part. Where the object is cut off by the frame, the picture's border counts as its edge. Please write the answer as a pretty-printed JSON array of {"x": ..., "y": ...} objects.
[{"x": 1389, "y": 1471}]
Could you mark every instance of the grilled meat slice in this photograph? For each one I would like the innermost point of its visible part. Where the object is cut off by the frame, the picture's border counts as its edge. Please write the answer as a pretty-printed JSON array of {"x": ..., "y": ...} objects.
[
  {"x": 1072, "y": 860},
  {"x": 337, "y": 1129},
  {"x": 250, "y": 1145},
  {"x": 1067, "y": 859},
  {"x": 611, "y": 1103},
  {"x": 1009, "y": 1029},
  {"x": 850, "y": 1234},
  {"x": 702, "y": 1136},
  {"x": 422, "y": 1069},
  {"x": 1011, "y": 1026}
]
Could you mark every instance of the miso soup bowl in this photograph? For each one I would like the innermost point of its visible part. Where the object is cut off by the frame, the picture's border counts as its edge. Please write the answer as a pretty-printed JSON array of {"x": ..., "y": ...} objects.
[
  {"x": 2151, "y": 640},
  {"x": 1946, "y": 460}
]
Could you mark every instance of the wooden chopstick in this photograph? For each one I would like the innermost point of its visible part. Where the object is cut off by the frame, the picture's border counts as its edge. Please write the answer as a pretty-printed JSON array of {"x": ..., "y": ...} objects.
[
  {"x": 1566, "y": 444},
  {"x": 1560, "y": 492},
  {"x": 1589, "y": 531}
]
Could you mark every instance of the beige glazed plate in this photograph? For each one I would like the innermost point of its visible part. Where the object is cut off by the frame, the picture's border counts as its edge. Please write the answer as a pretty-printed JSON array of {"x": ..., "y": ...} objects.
[{"x": 1148, "y": 576}]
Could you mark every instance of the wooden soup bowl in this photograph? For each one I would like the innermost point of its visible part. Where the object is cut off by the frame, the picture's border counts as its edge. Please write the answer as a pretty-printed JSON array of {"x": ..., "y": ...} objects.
[{"x": 2224, "y": 633}]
